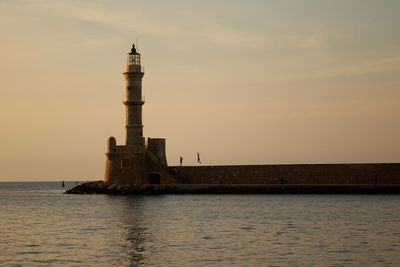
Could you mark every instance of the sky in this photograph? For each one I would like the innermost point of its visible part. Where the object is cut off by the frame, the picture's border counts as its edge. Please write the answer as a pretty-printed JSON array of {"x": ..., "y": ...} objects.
[{"x": 240, "y": 82}]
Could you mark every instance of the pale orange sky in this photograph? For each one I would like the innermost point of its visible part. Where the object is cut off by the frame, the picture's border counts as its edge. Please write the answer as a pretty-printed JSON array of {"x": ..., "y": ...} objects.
[{"x": 241, "y": 82}]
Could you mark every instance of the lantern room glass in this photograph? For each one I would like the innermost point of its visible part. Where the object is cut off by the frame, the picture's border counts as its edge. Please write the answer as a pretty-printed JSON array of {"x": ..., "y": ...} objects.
[{"x": 134, "y": 59}]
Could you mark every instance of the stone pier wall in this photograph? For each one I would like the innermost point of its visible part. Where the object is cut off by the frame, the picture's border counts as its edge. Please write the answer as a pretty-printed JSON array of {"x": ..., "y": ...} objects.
[{"x": 384, "y": 173}]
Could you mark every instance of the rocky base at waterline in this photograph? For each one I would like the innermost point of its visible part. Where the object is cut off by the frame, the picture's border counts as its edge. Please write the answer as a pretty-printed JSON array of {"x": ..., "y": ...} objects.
[{"x": 100, "y": 187}]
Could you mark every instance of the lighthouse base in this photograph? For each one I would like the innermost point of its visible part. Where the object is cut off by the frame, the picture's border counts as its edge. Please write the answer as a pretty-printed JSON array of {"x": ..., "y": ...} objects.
[{"x": 126, "y": 166}]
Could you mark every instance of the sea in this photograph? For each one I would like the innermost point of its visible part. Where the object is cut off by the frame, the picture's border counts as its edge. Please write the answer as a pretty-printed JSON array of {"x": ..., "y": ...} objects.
[{"x": 41, "y": 226}]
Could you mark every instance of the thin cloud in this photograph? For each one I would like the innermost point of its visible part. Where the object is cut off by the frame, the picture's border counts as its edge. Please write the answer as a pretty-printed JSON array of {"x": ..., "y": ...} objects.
[
  {"x": 382, "y": 65},
  {"x": 230, "y": 37},
  {"x": 114, "y": 18}
]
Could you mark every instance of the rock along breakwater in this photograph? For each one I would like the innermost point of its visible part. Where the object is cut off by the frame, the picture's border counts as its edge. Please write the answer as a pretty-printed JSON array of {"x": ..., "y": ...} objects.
[{"x": 100, "y": 187}]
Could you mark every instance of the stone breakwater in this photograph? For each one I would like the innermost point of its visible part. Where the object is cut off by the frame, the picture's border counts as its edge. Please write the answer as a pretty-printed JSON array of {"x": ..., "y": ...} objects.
[
  {"x": 307, "y": 174},
  {"x": 100, "y": 187}
]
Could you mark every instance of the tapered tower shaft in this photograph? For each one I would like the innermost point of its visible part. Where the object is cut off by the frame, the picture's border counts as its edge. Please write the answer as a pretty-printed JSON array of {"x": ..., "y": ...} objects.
[{"x": 134, "y": 102}]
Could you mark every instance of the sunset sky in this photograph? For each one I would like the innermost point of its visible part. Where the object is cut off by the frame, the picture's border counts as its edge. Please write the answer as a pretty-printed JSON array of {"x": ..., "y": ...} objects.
[{"x": 240, "y": 82}]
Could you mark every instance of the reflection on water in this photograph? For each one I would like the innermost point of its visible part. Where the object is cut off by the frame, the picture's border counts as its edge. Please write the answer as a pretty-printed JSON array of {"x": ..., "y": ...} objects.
[
  {"x": 137, "y": 234},
  {"x": 41, "y": 226}
]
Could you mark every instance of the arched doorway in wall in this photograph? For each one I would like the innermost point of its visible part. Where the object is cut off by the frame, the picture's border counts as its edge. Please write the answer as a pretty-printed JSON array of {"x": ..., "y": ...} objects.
[{"x": 153, "y": 178}]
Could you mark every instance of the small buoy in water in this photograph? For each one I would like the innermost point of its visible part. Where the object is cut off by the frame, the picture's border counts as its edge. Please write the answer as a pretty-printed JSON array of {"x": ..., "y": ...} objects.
[{"x": 62, "y": 184}]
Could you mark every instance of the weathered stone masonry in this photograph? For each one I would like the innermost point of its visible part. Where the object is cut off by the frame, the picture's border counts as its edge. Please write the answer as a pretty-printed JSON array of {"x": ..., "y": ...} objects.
[
  {"x": 385, "y": 173},
  {"x": 135, "y": 162}
]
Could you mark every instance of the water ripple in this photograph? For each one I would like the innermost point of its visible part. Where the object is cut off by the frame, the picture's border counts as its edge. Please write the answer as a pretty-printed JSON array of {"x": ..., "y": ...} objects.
[{"x": 40, "y": 227}]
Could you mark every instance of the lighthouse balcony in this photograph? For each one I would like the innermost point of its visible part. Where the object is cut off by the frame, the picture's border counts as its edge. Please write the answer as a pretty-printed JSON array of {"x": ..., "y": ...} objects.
[
  {"x": 134, "y": 69},
  {"x": 134, "y": 102}
]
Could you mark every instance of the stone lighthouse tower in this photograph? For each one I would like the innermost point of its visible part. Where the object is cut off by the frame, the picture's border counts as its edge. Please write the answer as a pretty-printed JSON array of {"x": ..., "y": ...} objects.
[
  {"x": 134, "y": 102},
  {"x": 136, "y": 162},
  {"x": 126, "y": 163}
]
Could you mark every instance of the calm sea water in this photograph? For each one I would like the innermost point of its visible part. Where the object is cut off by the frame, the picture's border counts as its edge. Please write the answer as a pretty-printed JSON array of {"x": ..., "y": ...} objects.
[{"x": 41, "y": 226}]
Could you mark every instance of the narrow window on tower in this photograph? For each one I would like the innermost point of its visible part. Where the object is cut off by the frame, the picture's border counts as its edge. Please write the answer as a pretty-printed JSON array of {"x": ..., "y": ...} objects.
[
  {"x": 125, "y": 163},
  {"x": 129, "y": 88}
]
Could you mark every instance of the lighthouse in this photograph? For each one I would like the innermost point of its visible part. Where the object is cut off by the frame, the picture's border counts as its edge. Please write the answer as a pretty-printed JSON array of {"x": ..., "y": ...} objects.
[
  {"x": 125, "y": 164},
  {"x": 134, "y": 102},
  {"x": 135, "y": 162}
]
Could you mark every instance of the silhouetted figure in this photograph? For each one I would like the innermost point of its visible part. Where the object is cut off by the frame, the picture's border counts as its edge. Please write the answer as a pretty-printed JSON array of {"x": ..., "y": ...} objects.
[
  {"x": 198, "y": 157},
  {"x": 62, "y": 184},
  {"x": 181, "y": 160}
]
